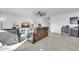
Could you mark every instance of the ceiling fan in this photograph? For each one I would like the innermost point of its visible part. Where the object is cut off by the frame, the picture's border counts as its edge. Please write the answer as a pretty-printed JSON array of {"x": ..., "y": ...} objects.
[{"x": 39, "y": 13}]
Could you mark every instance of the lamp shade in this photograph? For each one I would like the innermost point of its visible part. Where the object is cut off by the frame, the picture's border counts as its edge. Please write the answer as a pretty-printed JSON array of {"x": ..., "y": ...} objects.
[{"x": 2, "y": 18}]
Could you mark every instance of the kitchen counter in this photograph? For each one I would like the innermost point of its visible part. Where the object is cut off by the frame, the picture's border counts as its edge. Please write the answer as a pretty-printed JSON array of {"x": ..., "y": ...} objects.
[
  {"x": 71, "y": 31},
  {"x": 74, "y": 32}
]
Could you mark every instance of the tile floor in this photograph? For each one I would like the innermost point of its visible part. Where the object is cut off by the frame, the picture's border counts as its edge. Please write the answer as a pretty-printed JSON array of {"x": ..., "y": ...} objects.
[{"x": 54, "y": 42}]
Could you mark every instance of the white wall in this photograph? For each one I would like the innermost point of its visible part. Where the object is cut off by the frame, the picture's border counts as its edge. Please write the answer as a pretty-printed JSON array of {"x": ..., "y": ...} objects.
[
  {"x": 58, "y": 21},
  {"x": 44, "y": 21},
  {"x": 11, "y": 18}
]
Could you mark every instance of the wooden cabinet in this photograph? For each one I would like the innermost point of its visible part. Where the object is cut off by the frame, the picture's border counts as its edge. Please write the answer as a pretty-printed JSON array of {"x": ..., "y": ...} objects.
[
  {"x": 25, "y": 25},
  {"x": 40, "y": 33}
]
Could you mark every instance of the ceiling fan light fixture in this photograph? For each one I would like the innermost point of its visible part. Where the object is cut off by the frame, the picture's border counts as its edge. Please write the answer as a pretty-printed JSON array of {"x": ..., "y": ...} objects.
[{"x": 39, "y": 13}]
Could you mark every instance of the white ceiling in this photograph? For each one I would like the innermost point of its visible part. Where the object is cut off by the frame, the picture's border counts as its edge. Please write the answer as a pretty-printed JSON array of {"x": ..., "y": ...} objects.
[{"x": 50, "y": 11}]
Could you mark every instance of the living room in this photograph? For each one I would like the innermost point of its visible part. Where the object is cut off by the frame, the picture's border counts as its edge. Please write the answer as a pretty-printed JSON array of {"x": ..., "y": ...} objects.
[{"x": 50, "y": 20}]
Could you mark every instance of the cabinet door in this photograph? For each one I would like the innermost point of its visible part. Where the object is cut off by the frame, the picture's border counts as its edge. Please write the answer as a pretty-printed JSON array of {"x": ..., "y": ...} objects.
[{"x": 74, "y": 32}]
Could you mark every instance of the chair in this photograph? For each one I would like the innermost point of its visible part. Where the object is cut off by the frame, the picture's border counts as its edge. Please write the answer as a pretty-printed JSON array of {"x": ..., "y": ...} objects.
[{"x": 65, "y": 30}]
